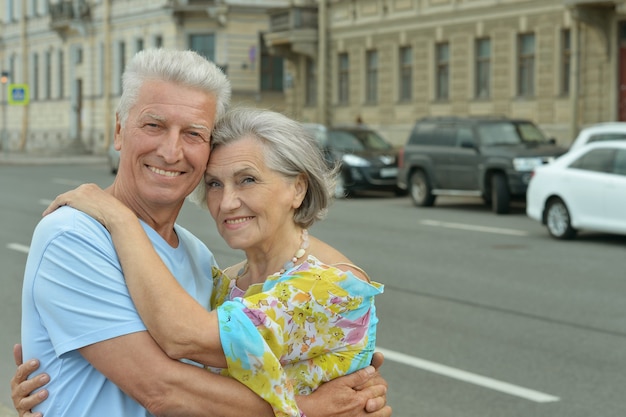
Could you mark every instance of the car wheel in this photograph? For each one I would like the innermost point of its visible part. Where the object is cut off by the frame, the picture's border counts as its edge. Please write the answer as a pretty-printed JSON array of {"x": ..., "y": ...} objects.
[
  {"x": 500, "y": 196},
  {"x": 558, "y": 220},
  {"x": 420, "y": 190}
]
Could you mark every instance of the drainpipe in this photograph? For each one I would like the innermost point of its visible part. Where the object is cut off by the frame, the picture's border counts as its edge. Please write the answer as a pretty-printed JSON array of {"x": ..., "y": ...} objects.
[
  {"x": 322, "y": 93},
  {"x": 106, "y": 84},
  {"x": 24, "y": 45},
  {"x": 575, "y": 81}
]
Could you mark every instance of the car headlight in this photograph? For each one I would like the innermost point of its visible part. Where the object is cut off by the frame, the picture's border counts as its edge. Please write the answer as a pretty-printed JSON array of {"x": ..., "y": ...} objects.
[
  {"x": 355, "y": 161},
  {"x": 526, "y": 164}
]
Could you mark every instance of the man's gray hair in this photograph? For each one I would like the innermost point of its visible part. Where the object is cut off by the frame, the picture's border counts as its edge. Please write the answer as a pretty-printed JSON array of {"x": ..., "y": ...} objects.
[{"x": 186, "y": 68}]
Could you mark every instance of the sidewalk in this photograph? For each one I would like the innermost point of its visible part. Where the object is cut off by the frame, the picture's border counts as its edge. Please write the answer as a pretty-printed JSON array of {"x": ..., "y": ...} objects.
[
  {"x": 6, "y": 412},
  {"x": 25, "y": 158}
]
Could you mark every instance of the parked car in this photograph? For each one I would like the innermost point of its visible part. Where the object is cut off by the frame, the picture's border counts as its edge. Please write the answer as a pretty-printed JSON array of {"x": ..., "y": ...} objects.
[
  {"x": 368, "y": 161},
  {"x": 584, "y": 189},
  {"x": 487, "y": 157},
  {"x": 600, "y": 132},
  {"x": 113, "y": 155}
]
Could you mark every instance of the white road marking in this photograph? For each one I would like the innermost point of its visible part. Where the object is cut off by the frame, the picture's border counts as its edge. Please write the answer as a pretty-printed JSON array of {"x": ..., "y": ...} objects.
[
  {"x": 18, "y": 247},
  {"x": 475, "y": 228},
  {"x": 461, "y": 375}
]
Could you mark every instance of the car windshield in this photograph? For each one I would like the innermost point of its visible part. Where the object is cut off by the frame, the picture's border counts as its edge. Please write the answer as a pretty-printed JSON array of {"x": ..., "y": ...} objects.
[
  {"x": 357, "y": 140},
  {"x": 507, "y": 133}
]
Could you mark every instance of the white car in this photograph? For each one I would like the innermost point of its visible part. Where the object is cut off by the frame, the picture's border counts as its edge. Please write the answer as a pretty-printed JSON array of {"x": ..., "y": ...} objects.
[
  {"x": 599, "y": 133},
  {"x": 583, "y": 189}
]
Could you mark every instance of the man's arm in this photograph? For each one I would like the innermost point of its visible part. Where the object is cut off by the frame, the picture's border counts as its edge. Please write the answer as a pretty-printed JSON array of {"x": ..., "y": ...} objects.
[
  {"x": 167, "y": 387},
  {"x": 344, "y": 397}
]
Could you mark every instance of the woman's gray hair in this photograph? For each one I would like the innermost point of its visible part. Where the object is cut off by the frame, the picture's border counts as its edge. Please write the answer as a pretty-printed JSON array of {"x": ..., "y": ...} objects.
[
  {"x": 186, "y": 68},
  {"x": 289, "y": 150}
]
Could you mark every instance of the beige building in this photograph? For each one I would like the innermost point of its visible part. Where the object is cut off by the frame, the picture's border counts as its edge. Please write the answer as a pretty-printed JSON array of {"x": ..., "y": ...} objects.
[
  {"x": 561, "y": 63},
  {"x": 70, "y": 54}
]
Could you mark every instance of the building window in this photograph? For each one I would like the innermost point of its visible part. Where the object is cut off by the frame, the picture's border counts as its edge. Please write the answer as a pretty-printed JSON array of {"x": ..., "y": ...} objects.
[
  {"x": 566, "y": 56},
  {"x": 121, "y": 64},
  {"x": 158, "y": 41},
  {"x": 442, "y": 70},
  {"x": 272, "y": 67},
  {"x": 8, "y": 16},
  {"x": 371, "y": 77},
  {"x": 61, "y": 73},
  {"x": 311, "y": 82},
  {"x": 101, "y": 69},
  {"x": 406, "y": 73},
  {"x": 78, "y": 54},
  {"x": 12, "y": 67},
  {"x": 204, "y": 45},
  {"x": 34, "y": 83},
  {"x": 343, "y": 78},
  {"x": 526, "y": 65},
  {"x": 483, "y": 68},
  {"x": 138, "y": 45},
  {"x": 48, "y": 75}
]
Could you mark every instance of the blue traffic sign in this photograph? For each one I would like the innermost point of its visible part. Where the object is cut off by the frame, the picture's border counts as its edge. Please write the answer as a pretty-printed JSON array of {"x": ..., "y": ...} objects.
[{"x": 18, "y": 94}]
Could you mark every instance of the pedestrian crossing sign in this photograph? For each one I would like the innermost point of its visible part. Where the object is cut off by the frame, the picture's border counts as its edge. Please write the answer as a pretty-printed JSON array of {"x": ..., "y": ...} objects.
[{"x": 18, "y": 94}]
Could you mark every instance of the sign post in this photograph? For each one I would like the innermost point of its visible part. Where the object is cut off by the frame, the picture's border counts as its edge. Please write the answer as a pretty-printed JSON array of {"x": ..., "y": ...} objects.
[{"x": 4, "y": 79}]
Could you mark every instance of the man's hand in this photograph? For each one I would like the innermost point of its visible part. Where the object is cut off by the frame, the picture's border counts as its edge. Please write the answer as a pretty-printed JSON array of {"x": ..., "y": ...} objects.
[
  {"x": 376, "y": 403},
  {"x": 21, "y": 387},
  {"x": 361, "y": 394}
]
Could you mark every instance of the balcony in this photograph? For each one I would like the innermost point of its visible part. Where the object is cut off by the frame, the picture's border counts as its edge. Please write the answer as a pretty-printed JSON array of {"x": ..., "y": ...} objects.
[
  {"x": 66, "y": 15},
  {"x": 593, "y": 3},
  {"x": 293, "y": 31}
]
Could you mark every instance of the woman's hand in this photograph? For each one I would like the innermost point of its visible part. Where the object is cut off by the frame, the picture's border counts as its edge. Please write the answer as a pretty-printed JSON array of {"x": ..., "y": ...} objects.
[
  {"x": 92, "y": 200},
  {"x": 21, "y": 387}
]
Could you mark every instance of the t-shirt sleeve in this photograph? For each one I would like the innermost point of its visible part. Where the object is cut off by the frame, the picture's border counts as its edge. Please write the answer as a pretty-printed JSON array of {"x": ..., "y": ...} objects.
[{"x": 79, "y": 288}]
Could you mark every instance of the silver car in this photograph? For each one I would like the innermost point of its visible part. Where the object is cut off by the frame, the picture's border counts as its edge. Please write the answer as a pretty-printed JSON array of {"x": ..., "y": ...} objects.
[{"x": 113, "y": 156}]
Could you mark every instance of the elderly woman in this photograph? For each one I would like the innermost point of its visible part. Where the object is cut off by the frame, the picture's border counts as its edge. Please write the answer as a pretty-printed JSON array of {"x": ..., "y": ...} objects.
[{"x": 296, "y": 312}]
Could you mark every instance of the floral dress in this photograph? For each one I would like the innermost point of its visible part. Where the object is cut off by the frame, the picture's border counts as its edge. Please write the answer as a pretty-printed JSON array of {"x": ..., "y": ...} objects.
[{"x": 311, "y": 324}]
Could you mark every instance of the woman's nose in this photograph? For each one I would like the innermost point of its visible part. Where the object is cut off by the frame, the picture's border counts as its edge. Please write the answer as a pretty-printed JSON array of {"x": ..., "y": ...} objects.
[{"x": 230, "y": 198}]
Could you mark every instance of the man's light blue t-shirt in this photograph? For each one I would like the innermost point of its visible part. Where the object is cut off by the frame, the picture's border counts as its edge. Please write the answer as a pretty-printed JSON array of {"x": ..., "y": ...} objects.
[{"x": 75, "y": 295}]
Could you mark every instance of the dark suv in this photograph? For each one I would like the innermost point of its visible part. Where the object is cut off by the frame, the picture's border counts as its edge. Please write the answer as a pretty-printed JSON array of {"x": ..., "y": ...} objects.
[{"x": 488, "y": 157}]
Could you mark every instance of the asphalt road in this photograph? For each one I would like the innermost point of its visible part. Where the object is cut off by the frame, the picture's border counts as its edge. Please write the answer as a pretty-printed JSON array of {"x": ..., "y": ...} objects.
[{"x": 482, "y": 315}]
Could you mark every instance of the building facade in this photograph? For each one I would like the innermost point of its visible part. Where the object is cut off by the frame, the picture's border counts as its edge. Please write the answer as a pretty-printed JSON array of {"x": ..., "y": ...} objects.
[
  {"x": 560, "y": 63},
  {"x": 71, "y": 54}
]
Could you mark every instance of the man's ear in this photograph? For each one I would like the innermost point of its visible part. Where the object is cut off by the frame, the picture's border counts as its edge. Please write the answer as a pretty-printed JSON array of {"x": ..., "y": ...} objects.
[{"x": 117, "y": 138}]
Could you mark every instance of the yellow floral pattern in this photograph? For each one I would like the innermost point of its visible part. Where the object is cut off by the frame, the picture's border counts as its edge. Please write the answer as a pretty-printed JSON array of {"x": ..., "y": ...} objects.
[{"x": 295, "y": 331}]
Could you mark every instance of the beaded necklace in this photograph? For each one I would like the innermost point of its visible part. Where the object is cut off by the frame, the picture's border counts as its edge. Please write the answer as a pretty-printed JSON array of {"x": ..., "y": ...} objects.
[{"x": 291, "y": 262}]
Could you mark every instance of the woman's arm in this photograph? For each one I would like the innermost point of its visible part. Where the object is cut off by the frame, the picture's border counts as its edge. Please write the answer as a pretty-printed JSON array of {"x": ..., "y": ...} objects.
[{"x": 181, "y": 326}]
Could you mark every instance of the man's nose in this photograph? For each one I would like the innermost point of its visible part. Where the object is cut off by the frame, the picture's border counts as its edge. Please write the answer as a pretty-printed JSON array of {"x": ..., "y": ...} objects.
[{"x": 171, "y": 148}]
